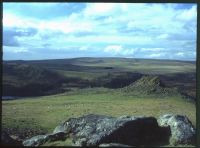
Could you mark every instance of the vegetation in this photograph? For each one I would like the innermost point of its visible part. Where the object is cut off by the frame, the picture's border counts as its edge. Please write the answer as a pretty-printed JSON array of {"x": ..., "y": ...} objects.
[
  {"x": 45, "y": 77},
  {"x": 48, "y": 111},
  {"x": 56, "y": 90}
]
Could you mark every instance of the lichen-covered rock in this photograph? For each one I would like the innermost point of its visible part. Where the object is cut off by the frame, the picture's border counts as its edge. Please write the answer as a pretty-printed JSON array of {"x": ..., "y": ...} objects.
[
  {"x": 93, "y": 130},
  {"x": 35, "y": 141},
  {"x": 41, "y": 139},
  {"x": 182, "y": 130},
  {"x": 100, "y": 130}
]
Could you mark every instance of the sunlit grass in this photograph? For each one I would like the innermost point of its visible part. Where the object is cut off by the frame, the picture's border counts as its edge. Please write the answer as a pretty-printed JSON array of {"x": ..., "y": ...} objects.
[{"x": 47, "y": 112}]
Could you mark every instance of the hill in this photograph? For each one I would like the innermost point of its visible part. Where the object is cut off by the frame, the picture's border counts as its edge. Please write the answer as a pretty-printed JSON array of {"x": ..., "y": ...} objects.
[
  {"x": 29, "y": 80},
  {"x": 68, "y": 74},
  {"x": 107, "y": 86},
  {"x": 149, "y": 85}
]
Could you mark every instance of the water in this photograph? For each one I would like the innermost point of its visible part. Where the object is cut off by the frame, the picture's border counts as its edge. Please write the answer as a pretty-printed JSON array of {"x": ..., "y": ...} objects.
[{"x": 9, "y": 97}]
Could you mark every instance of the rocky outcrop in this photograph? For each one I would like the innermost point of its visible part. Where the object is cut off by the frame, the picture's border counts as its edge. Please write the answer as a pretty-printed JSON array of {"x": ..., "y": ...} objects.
[
  {"x": 149, "y": 85},
  {"x": 92, "y": 130},
  {"x": 104, "y": 131},
  {"x": 182, "y": 130}
]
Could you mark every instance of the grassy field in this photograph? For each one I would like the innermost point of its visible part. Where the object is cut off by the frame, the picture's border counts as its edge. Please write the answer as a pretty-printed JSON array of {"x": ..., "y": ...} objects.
[
  {"x": 38, "y": 115},
  {"x": 82, "y": 75},
  {"x": 30, "y": 116}
]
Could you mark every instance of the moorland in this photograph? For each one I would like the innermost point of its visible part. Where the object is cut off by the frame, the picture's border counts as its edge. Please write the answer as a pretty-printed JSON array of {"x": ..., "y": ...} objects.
[{"x": 46, "y": 92}]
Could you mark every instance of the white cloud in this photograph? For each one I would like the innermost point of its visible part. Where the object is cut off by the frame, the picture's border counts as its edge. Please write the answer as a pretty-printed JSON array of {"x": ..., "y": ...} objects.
[
  {"x": 65, "y": 25},
  {"x": 95, "y": 9},
  {"x": 15, "y": 49},
  {"x": 155, "y": 55},
  {"x": 113, "y": 48},
  {"x": 180, "y": 54},
  {"x": 124, "y": 27},
  {"x": 152, "y": 49},
  {"x": 120, "y": 50},
  {"x": 11, "y": 20},
  {"x": 188, "y": 15},
  {"x": 20, "y": 50},
  {"x": 163, "y": 36},
  {"x": 84, "y": 48}
]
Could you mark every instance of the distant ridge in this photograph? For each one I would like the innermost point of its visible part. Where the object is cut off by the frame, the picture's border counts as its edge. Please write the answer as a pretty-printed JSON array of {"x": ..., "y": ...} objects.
[{"x": 114, "y": 58}]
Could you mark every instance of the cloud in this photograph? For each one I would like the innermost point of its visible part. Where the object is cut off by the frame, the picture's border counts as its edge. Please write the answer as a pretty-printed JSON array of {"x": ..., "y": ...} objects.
[
  {"x": 103, "y": 29},
  {"x": 11, "y": 35},
  {"x": 97, "y": 9},
  {"x": 43, "y": 11},
  {"x": 10, "y": 41},
  {"x": 152, "y": 49},
  {"x": 84, "y": 48},
  {"x": 15, "y": 49},
  {"x": 156, "y": 55},
  {"x": 188, "y": 14},
  {"x": 181, "y": 54},
  {"x": 113, "y": 48},
  {"x": 119, "y": 50}
]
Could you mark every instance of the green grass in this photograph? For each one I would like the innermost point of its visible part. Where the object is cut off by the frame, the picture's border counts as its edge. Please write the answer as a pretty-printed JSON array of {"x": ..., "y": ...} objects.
[
  {"x": 40, "y": 115},
  {"x": 138, "y": 65},
  {"x": 78, "y": 74},
  {"x": 45, "y": 113}
]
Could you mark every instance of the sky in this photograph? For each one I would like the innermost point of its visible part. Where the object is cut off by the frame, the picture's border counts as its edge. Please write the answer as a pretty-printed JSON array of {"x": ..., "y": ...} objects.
[{"x": 33, "y": 31}]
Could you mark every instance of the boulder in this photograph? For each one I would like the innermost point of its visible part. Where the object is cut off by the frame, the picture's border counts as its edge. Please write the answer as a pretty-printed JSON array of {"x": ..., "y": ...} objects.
[
  {"x": 93, "y": 130},
  {"x": 182, "y": 130},
  {"x": 124, "y": 131},
  {"x": 41, "y": 139}
]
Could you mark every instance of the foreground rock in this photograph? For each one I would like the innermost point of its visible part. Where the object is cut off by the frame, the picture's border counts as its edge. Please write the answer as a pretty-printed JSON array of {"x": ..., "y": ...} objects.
[
  {"x": 182, "y": 130},
  {"x": 104, "y": 131},
  {"x": 92, "y": 130},
  {"x": 41, "y": 139}
]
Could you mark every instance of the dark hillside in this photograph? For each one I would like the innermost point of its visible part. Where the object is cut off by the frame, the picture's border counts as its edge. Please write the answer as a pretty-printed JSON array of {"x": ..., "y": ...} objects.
[
  {"x": 29, "y": 80},
  {"x": 185, "y": 82},
  {"x": 42, "y": 77},
  {"x": 117, "y": 80}
]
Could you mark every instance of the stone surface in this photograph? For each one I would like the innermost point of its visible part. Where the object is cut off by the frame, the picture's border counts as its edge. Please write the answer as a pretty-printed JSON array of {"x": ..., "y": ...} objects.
[
  {"x": 182, "y": 130},
  {"x": 92, "y": 130},
  {"x": 100, "y": 130},
  {"x": 41, "y": 139}
]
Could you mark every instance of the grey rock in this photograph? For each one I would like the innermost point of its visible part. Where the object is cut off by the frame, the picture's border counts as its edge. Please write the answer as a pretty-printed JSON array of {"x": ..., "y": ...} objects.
[
  {"x": 93, "y": 130},
  {"x": 41, "y": 139},
  {"x": 182, "y": 130},
  {"x": 35, "y": 141},
  {"x": 100, "y": 130}
]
